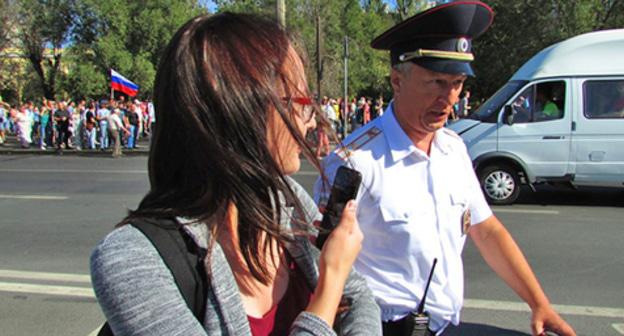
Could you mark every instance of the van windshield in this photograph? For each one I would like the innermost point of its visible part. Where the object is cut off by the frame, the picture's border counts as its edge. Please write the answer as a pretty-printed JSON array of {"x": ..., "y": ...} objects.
[{"x": 488, "y": 111}]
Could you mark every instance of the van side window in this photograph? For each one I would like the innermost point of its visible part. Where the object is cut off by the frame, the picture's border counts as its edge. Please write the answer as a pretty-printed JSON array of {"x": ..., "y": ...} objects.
[
  {"x": 603, "y": 99},
  {"x": 540, "y": 102}
]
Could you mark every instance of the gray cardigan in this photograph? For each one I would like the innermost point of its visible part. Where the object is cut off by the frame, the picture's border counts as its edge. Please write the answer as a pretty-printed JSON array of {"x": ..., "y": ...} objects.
[{"x": 138, "y": 294}]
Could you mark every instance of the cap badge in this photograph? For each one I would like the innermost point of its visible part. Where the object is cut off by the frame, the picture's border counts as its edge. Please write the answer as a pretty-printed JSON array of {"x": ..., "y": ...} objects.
[{"x": 463, "y": 45}]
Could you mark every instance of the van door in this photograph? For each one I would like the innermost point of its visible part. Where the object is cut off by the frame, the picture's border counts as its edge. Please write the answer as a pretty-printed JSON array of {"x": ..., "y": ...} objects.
[
  {"x": 541, "y": 129},
  {"x": 598, "y": 141}
]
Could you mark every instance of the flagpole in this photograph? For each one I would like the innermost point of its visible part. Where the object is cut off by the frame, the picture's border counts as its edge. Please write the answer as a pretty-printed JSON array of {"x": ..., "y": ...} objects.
[{"x": 112, "y": 90}]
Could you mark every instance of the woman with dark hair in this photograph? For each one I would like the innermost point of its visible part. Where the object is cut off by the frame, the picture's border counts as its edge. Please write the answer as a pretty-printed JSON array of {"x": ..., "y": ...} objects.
[{"x": 233, "y": 110}]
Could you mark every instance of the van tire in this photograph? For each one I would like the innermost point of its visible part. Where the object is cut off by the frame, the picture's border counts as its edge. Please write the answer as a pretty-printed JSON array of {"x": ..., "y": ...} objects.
[{"x": 500, "y": 184}]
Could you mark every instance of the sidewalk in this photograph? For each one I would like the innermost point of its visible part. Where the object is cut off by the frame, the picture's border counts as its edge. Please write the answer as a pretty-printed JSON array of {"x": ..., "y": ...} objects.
[{"x": 12, "y": 147}]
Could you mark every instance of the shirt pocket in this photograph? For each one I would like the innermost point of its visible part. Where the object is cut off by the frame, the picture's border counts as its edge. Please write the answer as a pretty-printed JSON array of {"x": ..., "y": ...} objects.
[{"x": 408, "y": 230}]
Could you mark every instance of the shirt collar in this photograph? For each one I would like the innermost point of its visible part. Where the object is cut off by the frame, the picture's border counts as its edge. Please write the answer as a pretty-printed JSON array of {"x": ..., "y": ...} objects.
[
  {"x": 441, "y": 142},
  {"x": 401, "y": 145}
]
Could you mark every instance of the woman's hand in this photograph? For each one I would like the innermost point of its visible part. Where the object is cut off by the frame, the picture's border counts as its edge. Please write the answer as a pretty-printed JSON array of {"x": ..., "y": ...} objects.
[
  {"x": 342, "y": 246},
  {"x": 336, "y": 260}
]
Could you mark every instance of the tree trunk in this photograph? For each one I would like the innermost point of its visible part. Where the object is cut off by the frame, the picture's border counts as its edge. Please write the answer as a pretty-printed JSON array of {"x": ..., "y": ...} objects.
[{"x": 47, "y": 84}]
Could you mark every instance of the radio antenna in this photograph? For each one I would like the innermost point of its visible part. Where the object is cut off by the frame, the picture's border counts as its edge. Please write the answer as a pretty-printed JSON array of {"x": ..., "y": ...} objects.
[{"x": 421, "y": 306}]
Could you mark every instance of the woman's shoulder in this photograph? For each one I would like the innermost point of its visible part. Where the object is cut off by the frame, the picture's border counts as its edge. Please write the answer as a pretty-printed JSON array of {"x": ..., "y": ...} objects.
[
  {"x": 121, "y": 247},
  {"x": 126, "y": 234},
  {"x": 135, "y": 288}
]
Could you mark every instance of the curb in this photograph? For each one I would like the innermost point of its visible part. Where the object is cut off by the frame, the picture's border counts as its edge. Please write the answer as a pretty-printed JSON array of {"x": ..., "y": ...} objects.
[{"x": 72, "y": 152}]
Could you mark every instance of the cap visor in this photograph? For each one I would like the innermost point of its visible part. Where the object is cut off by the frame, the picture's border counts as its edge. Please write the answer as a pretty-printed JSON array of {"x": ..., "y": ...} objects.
[{"x": 446, "y": 66}]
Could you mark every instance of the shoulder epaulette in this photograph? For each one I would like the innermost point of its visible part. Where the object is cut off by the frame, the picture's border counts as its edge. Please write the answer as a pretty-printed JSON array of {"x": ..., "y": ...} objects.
[{"x": 347, "y": 150}]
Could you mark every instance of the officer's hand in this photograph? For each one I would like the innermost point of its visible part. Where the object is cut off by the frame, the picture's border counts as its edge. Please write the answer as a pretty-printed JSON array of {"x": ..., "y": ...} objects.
[
  {"x": 342, "y": 245},
  {"x": 546, "y": 319}
]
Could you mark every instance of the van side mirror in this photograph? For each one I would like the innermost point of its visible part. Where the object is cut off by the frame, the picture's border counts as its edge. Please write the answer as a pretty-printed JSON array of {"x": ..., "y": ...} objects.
[{"x": 508, "y": 115}]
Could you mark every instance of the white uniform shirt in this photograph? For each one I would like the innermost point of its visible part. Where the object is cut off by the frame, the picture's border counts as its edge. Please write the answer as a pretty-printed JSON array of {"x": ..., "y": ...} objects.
[{"x": 410, "y": 209}]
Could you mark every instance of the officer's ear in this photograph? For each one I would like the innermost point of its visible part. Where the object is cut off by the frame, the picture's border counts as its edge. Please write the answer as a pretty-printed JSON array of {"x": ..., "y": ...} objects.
[{"x": 395, "y": 80}]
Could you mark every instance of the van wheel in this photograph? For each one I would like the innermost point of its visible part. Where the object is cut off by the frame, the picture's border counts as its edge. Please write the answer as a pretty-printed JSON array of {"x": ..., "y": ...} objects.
[{"x": 500, "y": 184}]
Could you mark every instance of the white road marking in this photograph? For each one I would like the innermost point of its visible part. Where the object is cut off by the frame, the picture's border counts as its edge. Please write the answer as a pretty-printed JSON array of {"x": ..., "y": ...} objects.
[
  {"x": 46, "y": 290},
  {"x": 88, "y": 292},
  {"x": 527, "y": 211},
  {"x": 468, "y": 303},
  {"x": 73, "y": 171},
  {"x": 561, "y": 309},
  {"x": 619, "y": 327},
  {"x": 35, "y": 197},
  {"x": 84, "y": 278}
]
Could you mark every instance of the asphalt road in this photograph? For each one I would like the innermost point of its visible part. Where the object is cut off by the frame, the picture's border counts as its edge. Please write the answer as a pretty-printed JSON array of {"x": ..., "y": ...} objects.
[{"x": 53, "y": 210}]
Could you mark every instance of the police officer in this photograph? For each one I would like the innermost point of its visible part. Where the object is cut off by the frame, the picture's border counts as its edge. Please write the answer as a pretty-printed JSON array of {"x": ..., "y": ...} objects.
[{"x": 419, "y": 197}]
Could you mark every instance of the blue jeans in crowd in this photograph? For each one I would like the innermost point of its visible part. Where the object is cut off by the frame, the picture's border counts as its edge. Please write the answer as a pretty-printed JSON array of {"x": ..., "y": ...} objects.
[
  {"x": 43, "y": 135},
  {"x": 130, "y": 142},
  {"x": 90, "y": 135},
  {"x": 78, "y": 134},
  {"x": 103, "y": 134}
]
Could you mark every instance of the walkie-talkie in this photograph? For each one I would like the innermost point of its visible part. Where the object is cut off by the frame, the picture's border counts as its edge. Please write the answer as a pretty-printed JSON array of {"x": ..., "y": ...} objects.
[{"x": 420, "y": 318}]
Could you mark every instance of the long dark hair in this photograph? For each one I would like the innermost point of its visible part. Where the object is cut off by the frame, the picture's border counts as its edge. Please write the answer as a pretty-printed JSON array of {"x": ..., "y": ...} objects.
[{"x": 216, "y": 88}]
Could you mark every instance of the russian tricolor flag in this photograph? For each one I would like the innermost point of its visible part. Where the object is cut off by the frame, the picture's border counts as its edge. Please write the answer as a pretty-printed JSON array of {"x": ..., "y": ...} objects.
[{"x": 121, "y": 83}]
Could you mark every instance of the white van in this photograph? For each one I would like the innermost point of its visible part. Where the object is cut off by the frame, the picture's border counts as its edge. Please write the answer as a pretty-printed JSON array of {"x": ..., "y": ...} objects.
[{"x": 560, "y": 119}]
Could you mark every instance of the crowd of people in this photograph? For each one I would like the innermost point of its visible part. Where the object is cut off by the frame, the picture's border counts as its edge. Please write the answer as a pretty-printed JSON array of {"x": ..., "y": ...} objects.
[
  {"x": 90, "y": 124},
  {"x": 86, "y": 124},
  {"x": 359, "y": 112}
]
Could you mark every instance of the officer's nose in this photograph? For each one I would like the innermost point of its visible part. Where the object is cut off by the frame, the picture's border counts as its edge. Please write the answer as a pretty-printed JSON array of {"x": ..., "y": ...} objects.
[{"x": 449, "y": 95}]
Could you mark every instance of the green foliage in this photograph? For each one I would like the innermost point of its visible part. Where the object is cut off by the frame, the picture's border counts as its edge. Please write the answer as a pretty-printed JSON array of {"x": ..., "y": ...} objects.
[
  {"x": 44, "y": 24},
  {"x": 6, "y": 16},
  {"x": 523, "y": 28},
  {"x": 83, "y": 80},
  {"x": 247, "y": 6},
  {"x": 130, "y": 36},
  {"x": 368, "y": 69}
]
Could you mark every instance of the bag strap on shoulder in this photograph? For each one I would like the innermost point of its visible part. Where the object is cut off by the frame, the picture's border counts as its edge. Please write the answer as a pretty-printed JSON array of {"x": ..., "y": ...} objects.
[{"x": 182, "y": 256}]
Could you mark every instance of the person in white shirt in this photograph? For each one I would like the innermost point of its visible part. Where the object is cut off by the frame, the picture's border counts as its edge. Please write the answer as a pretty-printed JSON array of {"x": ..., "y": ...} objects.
[
  {"x": 115, "y": 126},
  {"x": 420, "y": 199},
  {"x": 329, "y": 112}
]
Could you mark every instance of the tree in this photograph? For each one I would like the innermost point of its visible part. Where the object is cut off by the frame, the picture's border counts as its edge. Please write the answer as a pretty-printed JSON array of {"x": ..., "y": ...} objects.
[
  {"x": 361, "y": 21},
  {"x": 523, "y": 28},
  {"x": 407, "y": 8},
  {"x": 6, "y": 17},
  {"x": 83, "y": 79},
  {"x": 7, "y": 13},
  {"x": 44, "y": 27},
  {"x": 266, "y": 7},
  {"x": 128, "y": 36}
]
